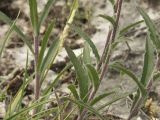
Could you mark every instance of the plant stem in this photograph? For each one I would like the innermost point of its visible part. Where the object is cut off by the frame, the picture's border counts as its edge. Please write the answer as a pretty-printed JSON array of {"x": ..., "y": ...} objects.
[
  {"x": 110, "y": 39},
  {"x": 104, "y": 51},
  {"x": 37, "y": 74}
]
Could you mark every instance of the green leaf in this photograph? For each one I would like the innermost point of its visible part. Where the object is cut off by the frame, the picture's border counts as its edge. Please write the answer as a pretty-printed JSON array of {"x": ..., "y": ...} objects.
[
  {"x": 116, "y": 98},
  {"x": 86, "y": 54},
  {"x": 90, "y": 108},
  {"x": 119, "y": 67},
  {"x": 8, "y": 21},
  {"x": 155, "y": 37},
  {"x": 24, "y": 110},
  {"x": 65, "y": 32},
  {"x": 4, "y": 41},
  {"x": 57, "y": 45},
  {"x": 94, "y": 76},
  {"x": 45, "y": 12},
  {"x": 44, "y": 42},
  {"x": 17, "y": 100},
  {"x": 43, "y": 114},
  {"x": 108, "y": 18},
  {"x": 88, "y": 40},
  {"x": 100, "y": 97},
  {"x": 125, "y": 29},
  {"x": 81, "y": 73},
  {"x": 34, "y": 15},
  {"x": 49, "y": 58},
  {"x": 148, "y": 66},
  {"x": 72, "y": 88}
]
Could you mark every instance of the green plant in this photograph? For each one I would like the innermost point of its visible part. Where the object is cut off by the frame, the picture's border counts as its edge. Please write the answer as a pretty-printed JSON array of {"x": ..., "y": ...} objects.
[
  {"x": 150, "y": 70},
  {"x": 42, "y": 62},
  {"x": 89, "y": 74}
]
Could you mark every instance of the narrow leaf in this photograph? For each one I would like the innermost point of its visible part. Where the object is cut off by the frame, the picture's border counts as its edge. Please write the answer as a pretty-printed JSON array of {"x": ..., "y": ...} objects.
[
  {"x": 51, "y": 54},
  {"x": 4, "y": 41},
  {"x": 24, "y": 110},
  {"x": 152, "y": 29},
  {"x": 94, "y": 76},
  {"x": 8, "y": 21},
  {"x": 148, "y": 66},
  {"x": 88, "y": 40},
  {"x": 44, "y": 42},
  {"x": 81, "y": 73},
  {"x": 119, "y": 67},
  {"x": 91, "y": 109},
  {"x": 108, "y": 18},
  {"x": 45, "y": 12},
  {"x": 86, "y": 54},
  {"x": 55, "y": 47},
  {"x": 34, "y": 15},
  {"x": 116, "y": 98},
  {"x": 72, "y": 88},
  {"x": 100, "y": 97},
  {"x": 18, "y": 98},
  {"x": 125, "y": 29}
]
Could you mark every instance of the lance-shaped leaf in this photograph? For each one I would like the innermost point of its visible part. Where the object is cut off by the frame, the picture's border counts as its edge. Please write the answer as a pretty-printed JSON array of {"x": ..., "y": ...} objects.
[
  {"x": 45, "y": 12},
  {"x": 72, "y": 88},
  {"x": 155, "y": 37},
  {"x": 100, "y": 97},
  {"x": 51, "y": 54},
  {"x": 90, "y": 108},
  {"x": 4, "y": 41},
  {"x": 119, "y": 67},
  {"x": 34, "y": 15},
  {"x": 57, "y": 45},
  {"x": 87, "y": 54},
  {"x": 27, "y": 109},
  {"x": 125, "y": 29},
  {"x": 148, "y": 66},
  {"x": 93, "y": 76},
  {"x": 108, "y": 18},
  {"x": 44, "y": 42},
  {"x": 81, "y": 73},
  {"x": 8, "y": 21},
  {"x": 88, "y": 40}
]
